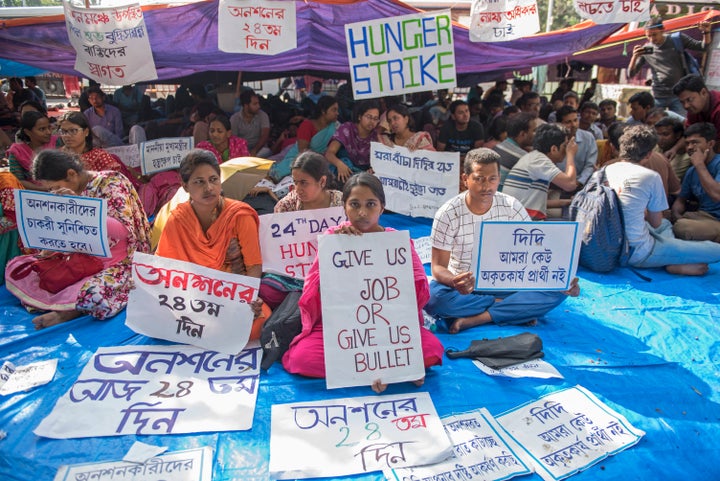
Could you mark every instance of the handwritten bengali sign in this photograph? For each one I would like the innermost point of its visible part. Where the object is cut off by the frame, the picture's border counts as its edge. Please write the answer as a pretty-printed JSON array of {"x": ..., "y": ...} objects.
[
  {"x": 536, "y": 368},
  {"x": 397, "y": 55},
  {"x": 503, "y": 20},
  {"x": 288, "y": 240},
  {"x": 416, "y": 183},
  {"x": 423, "y": 247},
  {"x": 23, "y": 378},
  {"x": 526, "y": 255},
  {"x": 256, "y": 26},
  {"x": 374, "y": 333},
  {"x": 340, "y": 437},
  {"x": 189, "y": 465},
  {"x": 111, "y": 44},
  {"x": 613, "y": 11},
  {"x": 481, "y": 450},
  {"x": 568, "y": 431},
  {"x": 712, "y": 69},
  {"x": 184, "y": 302},
  {"x": 128, "y": 154},
  {"x": 64, "y": 223},
  {"x": 157, "y": 390},
  {"x": 164, "y": 154}
]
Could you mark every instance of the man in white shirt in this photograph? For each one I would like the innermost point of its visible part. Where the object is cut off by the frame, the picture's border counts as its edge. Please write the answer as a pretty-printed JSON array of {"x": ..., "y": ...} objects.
[
  {"x": 642, "y": 199},
  {"x": 452, "y": 295}
]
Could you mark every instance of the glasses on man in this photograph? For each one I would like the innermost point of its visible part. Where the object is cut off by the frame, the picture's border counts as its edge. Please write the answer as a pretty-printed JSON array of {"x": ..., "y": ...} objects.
[{"x": 65, "y": 132}]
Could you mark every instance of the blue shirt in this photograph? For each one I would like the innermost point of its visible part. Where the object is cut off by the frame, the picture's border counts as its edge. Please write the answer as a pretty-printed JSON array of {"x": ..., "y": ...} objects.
[
  {"x": 112, "y": 120},
  {"x": 691, "y": 187}
]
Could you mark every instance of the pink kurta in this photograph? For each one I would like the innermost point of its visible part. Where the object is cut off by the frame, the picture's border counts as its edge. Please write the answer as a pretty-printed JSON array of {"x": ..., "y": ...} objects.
[{"x": 306, "y": 354}]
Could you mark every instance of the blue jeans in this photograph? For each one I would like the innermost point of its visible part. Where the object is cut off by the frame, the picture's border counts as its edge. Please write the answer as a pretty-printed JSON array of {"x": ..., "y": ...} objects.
[
  {"x": 516, "y": 307},
  {"x": 668, "y": 250},
  {"x": 671, "y": 103}
]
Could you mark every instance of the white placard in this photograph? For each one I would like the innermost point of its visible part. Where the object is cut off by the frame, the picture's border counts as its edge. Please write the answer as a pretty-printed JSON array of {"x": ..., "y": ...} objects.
[
  {"x": 712, "y": 69},
  {"x": 399, "y": 55},
  {"x": 481, "y": 450},
  {"x": 423, "y": 247},
  {"x": 526, "y": 255},
  {"x": 164, "y": 154},
  {"x": 256, "y": 26},
  {"x": 340, "y": 437},
  {"x": 142, "y": 452},
  {"x": 24, "y": 378},
  {"x": 128, "y": 154},
  {"x": 536, "y": 369},
  {"x": 157, "y": 390},
  {"x": 191, "y": 304},
  {"x": 111, "y": 44},
  {"x": 370, "y": 326},
  {"x": 503, "y": 20},
  {"x": 416, "y": 183},
  {"x": 288, "y": 240},
  {"x": 64, "y": 223},
  {"x": 567, "y": 431},
  {"x": 191, "y": 465},
  {"x": 613, "y": 11}
]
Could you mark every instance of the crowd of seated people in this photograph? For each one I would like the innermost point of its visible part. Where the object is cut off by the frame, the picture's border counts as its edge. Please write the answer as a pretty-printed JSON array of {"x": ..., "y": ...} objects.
[{"x": 518, "y": 162}]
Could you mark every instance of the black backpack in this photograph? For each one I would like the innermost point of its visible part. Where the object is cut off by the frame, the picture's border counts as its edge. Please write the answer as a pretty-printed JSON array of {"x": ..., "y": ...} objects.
[{"x": 597, "y": 208}]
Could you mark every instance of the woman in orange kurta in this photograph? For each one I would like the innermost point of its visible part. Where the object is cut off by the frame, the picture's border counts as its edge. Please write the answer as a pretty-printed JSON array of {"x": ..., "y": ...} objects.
[{"x": 212, "y": 231}]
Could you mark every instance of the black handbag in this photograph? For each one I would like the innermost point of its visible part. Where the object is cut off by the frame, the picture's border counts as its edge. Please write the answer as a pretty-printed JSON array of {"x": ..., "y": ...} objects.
[{"x": 503, "y": 351}]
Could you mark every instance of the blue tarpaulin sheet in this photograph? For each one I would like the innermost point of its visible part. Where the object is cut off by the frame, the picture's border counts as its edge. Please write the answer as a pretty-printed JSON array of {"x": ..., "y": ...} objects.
[{"x": 649, "y": 350}]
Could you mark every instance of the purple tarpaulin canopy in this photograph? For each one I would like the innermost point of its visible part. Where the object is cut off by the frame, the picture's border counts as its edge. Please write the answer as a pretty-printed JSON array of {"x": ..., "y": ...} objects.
[{"x": 184, "y": 41}]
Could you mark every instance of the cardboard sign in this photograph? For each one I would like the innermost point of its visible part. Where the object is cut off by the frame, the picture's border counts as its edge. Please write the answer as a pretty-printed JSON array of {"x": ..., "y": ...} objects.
[
  {"x": 399, "y": 55},
  {"x": 526, "y": 255},
  {"x": 340, "y": 437},
  {"x": 111, "y": 44},
  {"x": 157, "y": 390},
  {"x": 416, "y": 183},
  {"x": 288, "y": 240},
  {"x": 191, "y": 304},
  {"x": 64, "y": 223},
  {"x": 503, "y": 20},
  {"x": 164, "y": 154},
  {"x": 256, "y": 26},
  {"x": 568, "y": 431},
  {"x": 374, "y": 332}
]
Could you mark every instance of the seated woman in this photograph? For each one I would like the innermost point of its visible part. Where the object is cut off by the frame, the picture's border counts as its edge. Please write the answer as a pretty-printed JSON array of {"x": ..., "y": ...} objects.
[
  {"x": 349, "y": 148},
  {"x": 104, "y": 294},
  {"x": 78, "y": 138},
  {"x": 313, "y": 134},
  {"x": 364, "y": 201},
  {"x": 212, "y": 231},
  {"x": 223, "y": 144},
  {"x": 310, "y": 176},
  {"x": 35, "y": 134},
  {"x": 401, "y": 132}
]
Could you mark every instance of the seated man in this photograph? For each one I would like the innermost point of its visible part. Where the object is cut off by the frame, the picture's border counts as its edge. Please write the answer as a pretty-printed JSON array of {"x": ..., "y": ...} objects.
[
  {"x": 105, "y": 120},
  {"x": 701, "y": 103},
  {"x": 519, "y": 141},
  {"x": 608, "y": 115},
  {"x": 529, "y": 179},
  {"x": 589, "y": 112},
  {"x": 671, "y": 144},
  {"x": 642, "y": 200},
  {"x": 460, "y": 134},
  {"x": 587, "y": 151},
  {"x": 702, "y": 184},
  {"x": 252, "y": 124},
  {"x": 452, "y": 293}
]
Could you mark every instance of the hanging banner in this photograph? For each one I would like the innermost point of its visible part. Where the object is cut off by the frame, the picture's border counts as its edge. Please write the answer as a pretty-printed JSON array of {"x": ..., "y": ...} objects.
[
  {"x": 503, "y": 20},
  {"x": 256, "y": 26},
  {"x": 157, "y": 390},
  {"x": 374, "y": 332},
  {"x": 111, "y": 44},
  {"x": 712, "y": 70},
  {"x": 416, "y": 183},
  {"x": 191, "y": 304},
  {"x": 288, "y": 240},
  {"x": 400, "y": 55},
  {"x": 613, "y": 11},
  {"x": 340, "y": 437},
  {"x": 63, "y": 223},
  {"x": 568, "y": 431}
]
